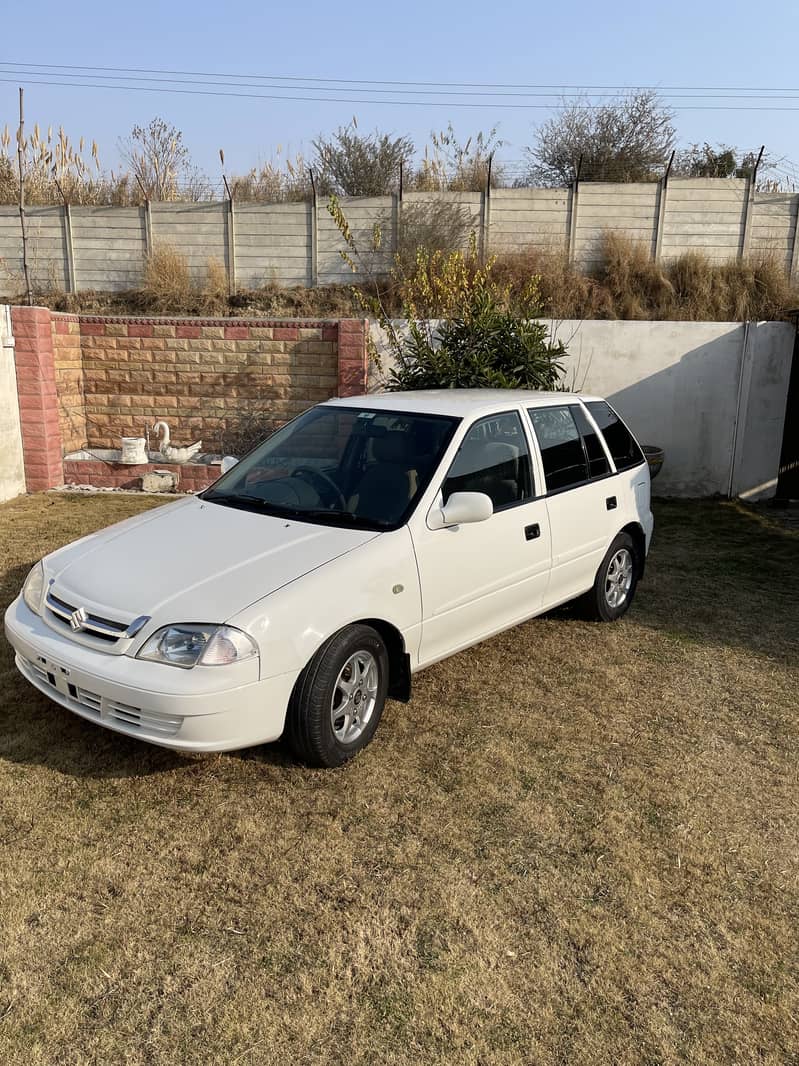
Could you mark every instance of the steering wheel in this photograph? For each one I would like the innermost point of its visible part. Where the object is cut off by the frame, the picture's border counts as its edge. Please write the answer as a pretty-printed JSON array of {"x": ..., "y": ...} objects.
[{"x": 314, "y": 477}]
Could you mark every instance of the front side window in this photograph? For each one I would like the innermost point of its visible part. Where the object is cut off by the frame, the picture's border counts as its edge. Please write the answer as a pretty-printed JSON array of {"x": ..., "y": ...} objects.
[
  {"x": 348, "y": 466},
  {"x": 620, "y": 441},
  {"x": 493, "y": 459},
  {"x": 565, "y": 462}
]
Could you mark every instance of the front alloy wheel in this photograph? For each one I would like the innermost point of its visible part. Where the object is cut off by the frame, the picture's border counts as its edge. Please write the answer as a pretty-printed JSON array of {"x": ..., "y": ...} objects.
[
  {"x": 339, "y": 697},
  {"x": 354, "y": 697}
]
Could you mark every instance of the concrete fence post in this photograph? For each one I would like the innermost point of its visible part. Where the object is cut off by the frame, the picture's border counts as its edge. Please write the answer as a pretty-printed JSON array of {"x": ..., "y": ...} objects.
[
  {"x": 794, "y": 268},
  {"x": 746, "y": 229},
  {"x": 230, "y": 227},
  {"x": 485, "y": 224},
  {"x": 313, "y": 222},
  {"x": 396, "y": 235},
  {"x": 71, "y": 281},
  {"x": 749, "y": 207},
  {"x": 571, "y": 233},
  {"x": 147, "y": 228},
  {"x": 660, "y": 218}
]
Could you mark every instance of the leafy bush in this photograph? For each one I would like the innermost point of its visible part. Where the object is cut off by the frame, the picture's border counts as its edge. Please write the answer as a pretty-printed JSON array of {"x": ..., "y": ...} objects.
[{"x": 488, "y": 340}]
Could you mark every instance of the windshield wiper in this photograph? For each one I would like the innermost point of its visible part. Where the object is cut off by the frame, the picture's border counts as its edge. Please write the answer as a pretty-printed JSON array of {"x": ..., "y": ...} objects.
[
  {"x": 324, "y": 512},
  {"x": 235, "y": 499}
]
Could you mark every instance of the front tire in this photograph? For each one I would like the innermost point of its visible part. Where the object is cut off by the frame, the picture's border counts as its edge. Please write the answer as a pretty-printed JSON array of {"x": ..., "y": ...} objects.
[
  {"x": 339, "y": 697},
  {"x": 615, "y": 584}
]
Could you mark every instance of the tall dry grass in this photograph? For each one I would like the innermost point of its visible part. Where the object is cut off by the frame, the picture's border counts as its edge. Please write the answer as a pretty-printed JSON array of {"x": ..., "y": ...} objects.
[
  {"x": 168, "y": 286},
  {"x": 627, "y": 284}
]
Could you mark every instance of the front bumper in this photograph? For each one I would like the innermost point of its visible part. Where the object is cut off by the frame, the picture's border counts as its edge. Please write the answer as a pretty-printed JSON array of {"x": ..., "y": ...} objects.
[{"x": 217, "y": 708}]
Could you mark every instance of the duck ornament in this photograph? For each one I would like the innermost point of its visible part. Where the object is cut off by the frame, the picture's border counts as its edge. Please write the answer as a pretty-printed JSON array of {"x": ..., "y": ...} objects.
[{"x": 170, "y": 453}]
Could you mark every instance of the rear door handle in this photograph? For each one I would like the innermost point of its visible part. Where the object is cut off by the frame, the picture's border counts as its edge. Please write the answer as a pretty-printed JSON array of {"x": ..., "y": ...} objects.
[
  {"x": 610, "y": 503},
  {"x": 532, "y": 532}
]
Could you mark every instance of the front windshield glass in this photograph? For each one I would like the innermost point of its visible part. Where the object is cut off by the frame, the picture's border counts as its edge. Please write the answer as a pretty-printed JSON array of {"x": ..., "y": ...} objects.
[{"x": 340, "y": 465}]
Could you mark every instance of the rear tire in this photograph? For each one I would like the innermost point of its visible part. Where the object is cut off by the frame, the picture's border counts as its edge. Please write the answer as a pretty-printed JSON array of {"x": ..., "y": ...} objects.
[
  {"x": 615, "y": 584},
  {"x": 338, "y": 699}
]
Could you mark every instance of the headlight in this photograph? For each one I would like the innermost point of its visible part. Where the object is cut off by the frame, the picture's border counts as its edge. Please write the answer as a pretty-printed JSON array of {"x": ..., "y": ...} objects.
[
  {"x": 187, "y": 645},
  {"x": 33, "y": 588}
]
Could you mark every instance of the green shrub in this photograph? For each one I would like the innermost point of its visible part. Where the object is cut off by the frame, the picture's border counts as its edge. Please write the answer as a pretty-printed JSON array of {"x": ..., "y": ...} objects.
[{"x": 488, "y": 343}]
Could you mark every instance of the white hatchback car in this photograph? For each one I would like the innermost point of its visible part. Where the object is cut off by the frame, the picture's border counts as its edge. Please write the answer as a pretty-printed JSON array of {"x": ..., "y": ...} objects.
[{"x": 363, "y": 541}]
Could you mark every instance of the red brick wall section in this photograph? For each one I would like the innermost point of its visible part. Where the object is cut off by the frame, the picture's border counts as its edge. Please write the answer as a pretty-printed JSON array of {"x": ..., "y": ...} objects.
[
  {"x": 38, "y": 402},
  {"x": 352, "y": 356}
]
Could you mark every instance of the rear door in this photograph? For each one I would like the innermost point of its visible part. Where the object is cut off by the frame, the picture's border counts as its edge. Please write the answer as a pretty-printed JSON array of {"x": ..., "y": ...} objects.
[
  {"x": 482, "y": 577},
  {"x": 582, "y": 504}
]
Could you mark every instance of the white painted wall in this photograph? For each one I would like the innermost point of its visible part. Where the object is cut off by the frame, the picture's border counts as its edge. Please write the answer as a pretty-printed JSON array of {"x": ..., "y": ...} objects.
[
  {"x": 717, "y": 407},
  {"x": 12, "y": 473}
]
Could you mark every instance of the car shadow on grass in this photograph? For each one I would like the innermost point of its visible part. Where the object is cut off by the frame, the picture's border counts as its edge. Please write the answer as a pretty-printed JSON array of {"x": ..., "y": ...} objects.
[{"x": 38, "y": 732}]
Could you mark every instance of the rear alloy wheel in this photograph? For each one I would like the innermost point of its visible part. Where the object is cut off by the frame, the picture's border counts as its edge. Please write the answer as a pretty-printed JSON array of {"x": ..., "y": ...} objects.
[
  {"x": 615, "y": 582},
  {"x": 339, "y": 697}
]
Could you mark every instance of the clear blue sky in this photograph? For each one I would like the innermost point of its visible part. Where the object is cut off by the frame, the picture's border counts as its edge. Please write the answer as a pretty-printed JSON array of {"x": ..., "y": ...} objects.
[{"x": 578, "y": 43}]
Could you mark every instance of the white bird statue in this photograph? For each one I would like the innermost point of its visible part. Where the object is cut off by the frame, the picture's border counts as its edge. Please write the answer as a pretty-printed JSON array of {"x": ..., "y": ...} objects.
[{"x": 169, "y": 452}]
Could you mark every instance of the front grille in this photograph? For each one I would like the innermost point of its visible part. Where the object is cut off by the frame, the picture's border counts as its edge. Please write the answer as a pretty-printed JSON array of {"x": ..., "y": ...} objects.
[
  {"x": 134, "y": 719},
  {"x": 104, "y": 628}
]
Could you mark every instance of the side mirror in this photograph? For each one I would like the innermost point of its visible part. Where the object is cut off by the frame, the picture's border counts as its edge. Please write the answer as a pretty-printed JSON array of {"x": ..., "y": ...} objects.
[
  {"x": 228, "y": 463},
  {"x": 460, "y": 509}
]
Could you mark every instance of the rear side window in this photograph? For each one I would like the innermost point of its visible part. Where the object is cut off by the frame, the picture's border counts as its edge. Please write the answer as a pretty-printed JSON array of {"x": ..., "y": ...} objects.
[
  {"x": 562, "y": 451},
  {"x": 597, "y": 459},
  {"x": 620, "y": 441}
]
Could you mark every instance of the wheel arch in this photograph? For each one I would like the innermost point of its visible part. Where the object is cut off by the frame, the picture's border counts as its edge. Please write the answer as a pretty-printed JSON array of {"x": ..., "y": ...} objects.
[
  {"x": 399, "y": 661},
  {"x": 635, "y": 530}
]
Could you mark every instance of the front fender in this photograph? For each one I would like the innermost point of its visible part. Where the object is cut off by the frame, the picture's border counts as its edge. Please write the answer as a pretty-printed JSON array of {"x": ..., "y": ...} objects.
[{"x": 379, "y": 580}]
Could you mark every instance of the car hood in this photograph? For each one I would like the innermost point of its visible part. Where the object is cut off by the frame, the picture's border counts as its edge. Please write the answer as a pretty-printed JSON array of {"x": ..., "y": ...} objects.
[{"x": 193, "y": 561}]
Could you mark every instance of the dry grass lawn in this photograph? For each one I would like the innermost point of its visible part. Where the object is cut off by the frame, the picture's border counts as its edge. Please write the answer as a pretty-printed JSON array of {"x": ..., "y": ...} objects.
[{"x": 577, "y": 845}]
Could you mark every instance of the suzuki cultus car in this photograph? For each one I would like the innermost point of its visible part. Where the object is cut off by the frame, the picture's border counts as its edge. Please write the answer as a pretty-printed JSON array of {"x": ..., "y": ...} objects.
[{"x": 362, "y": 542}]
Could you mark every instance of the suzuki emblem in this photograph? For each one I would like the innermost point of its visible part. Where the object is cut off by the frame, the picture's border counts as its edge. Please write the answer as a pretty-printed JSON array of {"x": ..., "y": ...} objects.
[{"x": 78, "y": 618}]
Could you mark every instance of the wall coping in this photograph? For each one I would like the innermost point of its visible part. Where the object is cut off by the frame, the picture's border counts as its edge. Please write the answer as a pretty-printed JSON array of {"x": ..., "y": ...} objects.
[{"x": 195, "y": 320}]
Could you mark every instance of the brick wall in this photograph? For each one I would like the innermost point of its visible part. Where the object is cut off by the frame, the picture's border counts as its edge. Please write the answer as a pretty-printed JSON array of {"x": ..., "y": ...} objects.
[
  {"x": 86, "y": 381},
  {"x": 68, "y": 362},
  {"x": 201, "y": 377}
]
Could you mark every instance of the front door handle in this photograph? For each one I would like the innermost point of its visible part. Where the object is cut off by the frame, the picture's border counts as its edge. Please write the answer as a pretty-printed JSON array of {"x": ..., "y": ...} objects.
[
  {"x": 532, "y": 532},
  {"x": 610, "y": 503}
]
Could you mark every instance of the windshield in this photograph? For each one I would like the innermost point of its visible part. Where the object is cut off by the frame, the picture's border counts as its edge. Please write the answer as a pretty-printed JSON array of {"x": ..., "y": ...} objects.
[{"x": 341, "y": 465}]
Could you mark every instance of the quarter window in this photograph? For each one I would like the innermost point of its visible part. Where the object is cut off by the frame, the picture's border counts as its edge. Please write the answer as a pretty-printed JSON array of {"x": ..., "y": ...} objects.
[
  {"x": 621, "y": 443},
  {"x": 494, "y": 459},
  {"x": 562, "y": 451},
  {"x": 597, "y": 459}
]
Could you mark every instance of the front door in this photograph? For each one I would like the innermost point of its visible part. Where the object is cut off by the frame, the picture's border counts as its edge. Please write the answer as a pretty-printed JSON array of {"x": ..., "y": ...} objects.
[{"x": 481, "y": 577}]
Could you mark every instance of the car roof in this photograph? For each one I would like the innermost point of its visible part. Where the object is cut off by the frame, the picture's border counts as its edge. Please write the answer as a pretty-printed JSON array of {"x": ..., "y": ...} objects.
[{"x": 461, "y": 403}]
